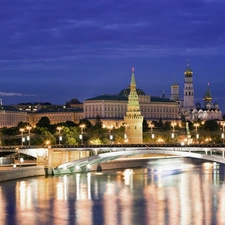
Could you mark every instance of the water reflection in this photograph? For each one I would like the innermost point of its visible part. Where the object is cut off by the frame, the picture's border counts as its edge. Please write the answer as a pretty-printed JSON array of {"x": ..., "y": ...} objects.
[
  {"x": 2, "y": 207},
  {"x": 83, "y": 205},
  {"x": 158, "y": 194}
]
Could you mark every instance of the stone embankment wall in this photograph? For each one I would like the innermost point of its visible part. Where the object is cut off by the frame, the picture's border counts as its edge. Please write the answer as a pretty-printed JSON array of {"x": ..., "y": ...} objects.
[{"x": 21, "y": 172}]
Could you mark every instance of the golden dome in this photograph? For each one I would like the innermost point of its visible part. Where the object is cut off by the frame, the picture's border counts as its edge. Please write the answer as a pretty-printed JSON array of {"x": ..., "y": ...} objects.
[{"x": 188, "y": 72}]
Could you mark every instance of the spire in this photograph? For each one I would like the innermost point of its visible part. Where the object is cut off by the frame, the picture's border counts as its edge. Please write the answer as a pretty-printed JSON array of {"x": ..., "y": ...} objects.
[
  {"x": 188, "y": 72},
  {"x": 133, "y": 82},
  {"x": 163, "y": 94},
  {"x": 208, "y": 96}
]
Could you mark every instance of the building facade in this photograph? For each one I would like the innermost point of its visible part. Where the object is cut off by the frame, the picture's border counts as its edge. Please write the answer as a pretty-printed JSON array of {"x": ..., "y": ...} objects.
[
  {"x": 10, "y": 116},
  {"x": 209, "y": 111},
  {"x": 55, "y": 117}
]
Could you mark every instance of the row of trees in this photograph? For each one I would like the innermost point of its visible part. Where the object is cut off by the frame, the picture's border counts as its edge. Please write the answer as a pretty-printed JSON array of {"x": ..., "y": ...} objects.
[{"x": 96, "y": 134}]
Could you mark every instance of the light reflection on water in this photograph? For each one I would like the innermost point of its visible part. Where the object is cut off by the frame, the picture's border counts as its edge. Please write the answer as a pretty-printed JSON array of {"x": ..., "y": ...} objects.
[{"x": 183, "y": 193}]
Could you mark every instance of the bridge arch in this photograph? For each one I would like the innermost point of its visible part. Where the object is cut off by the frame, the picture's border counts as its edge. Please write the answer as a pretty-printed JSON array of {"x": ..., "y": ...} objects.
[{"x": 86, "y": 163}]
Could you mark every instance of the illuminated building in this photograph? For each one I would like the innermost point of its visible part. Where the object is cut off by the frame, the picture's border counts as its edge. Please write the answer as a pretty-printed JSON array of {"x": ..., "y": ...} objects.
[
  {"x": 210, "y": 111},
  {"x": 10, "y": 116},
  {"x": 56, "y": 116},
  {"x": 133, "y": 117},
  {"x": 187, "y": 108},
  {"x": 112, "y": 108},
  {"x": 188, "y": 89}
]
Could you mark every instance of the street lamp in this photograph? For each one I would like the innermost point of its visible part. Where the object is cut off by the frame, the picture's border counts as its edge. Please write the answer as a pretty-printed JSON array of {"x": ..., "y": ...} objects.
[
  {"x": 152, "y": 135},
  {"x": 47, "y": 142},
  {"x": 60, "y": 137},
  {"x": 110, "y": 133},
  {"x": 22, "y": 138},
  {"x": 125, "y": 134},
  {"x": 196, "y": 131},
  {"x": 82, "y": 126},
  {"x": 28, "y": 137},
  {"x": 222, "y": 135},
  {"x": 173, "y": 125}
]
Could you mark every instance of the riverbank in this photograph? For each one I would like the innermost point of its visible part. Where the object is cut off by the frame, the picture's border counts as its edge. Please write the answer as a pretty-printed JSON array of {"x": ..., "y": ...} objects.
[{"x": 12, "y": 173}]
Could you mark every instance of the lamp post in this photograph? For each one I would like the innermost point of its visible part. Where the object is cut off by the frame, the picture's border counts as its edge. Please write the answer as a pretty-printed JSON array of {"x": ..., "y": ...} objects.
[
  {"x": 60, "y": 137},
  {"x": 125, "y": 134},
  {"x": 82, "y": 126},
  {"x": 110, "y": 133},
  {"x": 47, "y": 142},
  {"x": 22, "y": 139},
  {"x": 28, "y": 137},
  {"x": 173, "y": 125},
  {"x": 196, "y": 131},
  {"x": 222, "y": 135},
  {"x": 152, "y": 135}
]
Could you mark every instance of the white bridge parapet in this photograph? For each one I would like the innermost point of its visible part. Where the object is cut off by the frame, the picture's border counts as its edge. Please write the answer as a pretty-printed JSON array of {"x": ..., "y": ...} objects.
[{"x": 35, "y": 152}]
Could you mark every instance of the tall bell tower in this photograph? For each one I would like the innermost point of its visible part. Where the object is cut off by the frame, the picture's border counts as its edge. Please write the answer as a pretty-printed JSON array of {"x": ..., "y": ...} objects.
[
  {"x": 188, "y": 89},
  {"x": 133, "y": 117}
]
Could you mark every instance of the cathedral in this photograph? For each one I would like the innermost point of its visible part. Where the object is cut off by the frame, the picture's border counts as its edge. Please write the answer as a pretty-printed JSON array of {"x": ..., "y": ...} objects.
[{"x": 188, "y": 109}]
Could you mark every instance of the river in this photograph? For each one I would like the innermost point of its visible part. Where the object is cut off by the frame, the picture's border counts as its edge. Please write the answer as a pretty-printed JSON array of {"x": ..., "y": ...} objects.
[{"x": 171, "y": 192}]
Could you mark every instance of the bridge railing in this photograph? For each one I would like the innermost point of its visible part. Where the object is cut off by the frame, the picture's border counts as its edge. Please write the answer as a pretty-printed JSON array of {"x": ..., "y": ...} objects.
[{"x": 111, "y": 146}]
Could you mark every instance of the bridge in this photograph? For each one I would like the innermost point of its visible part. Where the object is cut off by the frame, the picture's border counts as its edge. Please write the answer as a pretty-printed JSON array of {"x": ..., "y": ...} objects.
[
  {"x": 71, "y": 159},
  {"x": 106, "y": 154}
]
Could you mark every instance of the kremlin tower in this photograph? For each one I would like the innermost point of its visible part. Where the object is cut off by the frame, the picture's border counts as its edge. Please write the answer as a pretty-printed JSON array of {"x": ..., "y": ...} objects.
[
  {"x": 188, "y": 89},
  {"x": 133, "y": 117}
]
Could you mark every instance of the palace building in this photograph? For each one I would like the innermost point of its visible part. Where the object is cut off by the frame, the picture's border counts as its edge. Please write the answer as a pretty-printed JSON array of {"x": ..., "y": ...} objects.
[{"x": 112, "y": 108}]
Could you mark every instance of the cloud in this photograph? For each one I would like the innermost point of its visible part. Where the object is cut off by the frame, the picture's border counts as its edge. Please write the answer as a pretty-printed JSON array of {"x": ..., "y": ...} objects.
[
  {"x": 52, "y": 30},
  {"x": 13, "y": 94}
]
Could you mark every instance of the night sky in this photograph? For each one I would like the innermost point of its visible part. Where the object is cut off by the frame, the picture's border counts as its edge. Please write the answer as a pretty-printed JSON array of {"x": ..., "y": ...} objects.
[{"x": 56, "y": 50}]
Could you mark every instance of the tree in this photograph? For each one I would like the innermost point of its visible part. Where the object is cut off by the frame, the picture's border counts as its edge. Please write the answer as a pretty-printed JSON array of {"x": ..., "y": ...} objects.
[
  {"x": 167, "y": 125},
  {"x": 211, "y": 125},
  {"x": 86, "y": 122},
  {"x": 22, "y": 124},
  {"x": 145, "y": 126},
  {"x": 98, "y": 123},
  {"x": 43, "y": 122},
  {"x": 70, "y": 135}
]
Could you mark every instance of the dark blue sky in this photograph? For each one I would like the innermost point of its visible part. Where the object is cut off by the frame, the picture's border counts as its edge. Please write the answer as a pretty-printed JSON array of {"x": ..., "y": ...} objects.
[{"x": 55, "y": 50}]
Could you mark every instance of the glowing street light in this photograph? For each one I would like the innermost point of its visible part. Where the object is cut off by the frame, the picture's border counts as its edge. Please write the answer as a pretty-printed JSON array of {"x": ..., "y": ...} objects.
[
  {"x": 22, "y": 138},
  {"x": 125, "y": 134},
  {"x": 222, "y": 135},
  {"x": 28, "y": 137},
  {"x": 173, "y": 125},
  {"x": 196, "y": 130},
  {"x": 60, "y": 137},
  {"x": 151, "y": 126},
  {"x": 82, "y": 126},
  {"x": 47, "y": 142},
  {"x": 110, "y": 133}
]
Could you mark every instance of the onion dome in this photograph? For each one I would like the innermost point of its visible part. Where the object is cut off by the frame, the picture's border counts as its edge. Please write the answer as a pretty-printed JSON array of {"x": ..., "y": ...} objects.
[
  {"x": 208, "y": 105},
  {"x": 198, "y": 105},
  {"x": 188, "y": 72},
  {"x": 175, "y": 85},
  {"x": 208, "y": 96},
  {"x": 216, "y": 106}
]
